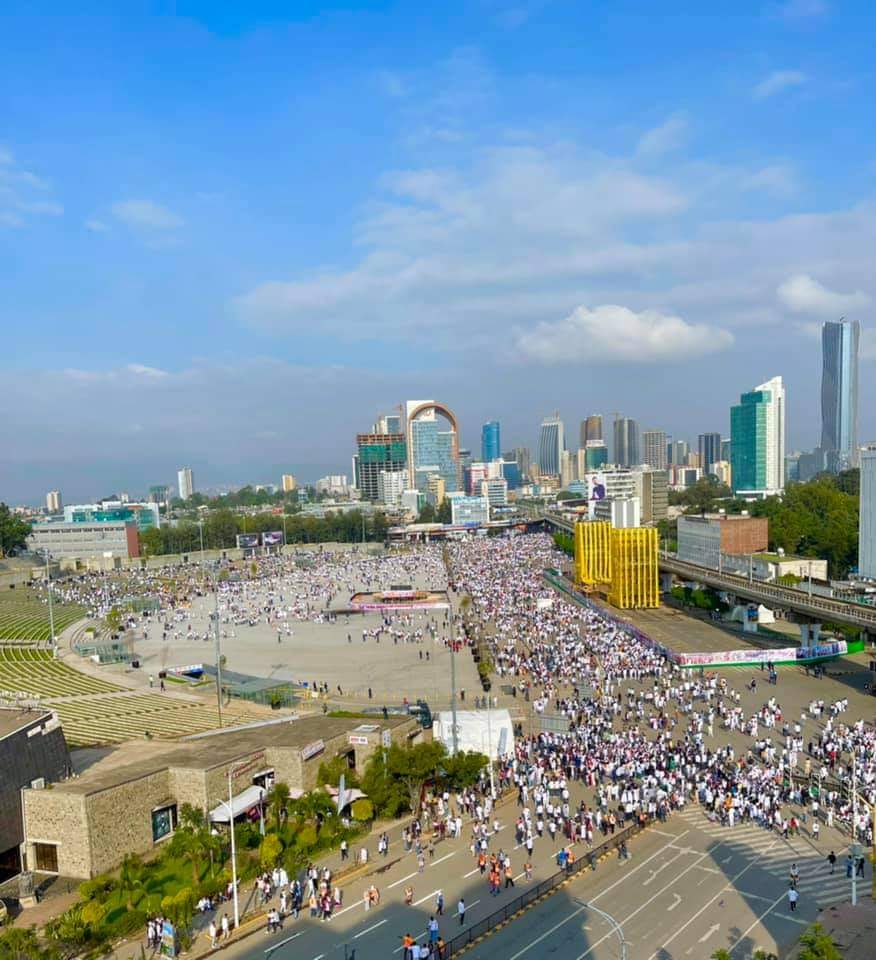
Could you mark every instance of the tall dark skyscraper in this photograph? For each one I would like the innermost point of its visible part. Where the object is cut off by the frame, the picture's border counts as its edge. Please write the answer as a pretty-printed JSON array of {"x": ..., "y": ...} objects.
[
  {"x": 490, "y": 446},
  {"x": 709, "y": 448},
  {"x": 627, "y": 451},
  {"x": 839, "y": 393},
  {"x": 591, "y": 429}
]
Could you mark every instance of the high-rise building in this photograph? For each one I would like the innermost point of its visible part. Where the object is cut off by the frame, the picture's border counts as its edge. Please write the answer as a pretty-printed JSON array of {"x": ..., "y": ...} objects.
[
  {"x": 378, "y": 453},
  {"x": 627, "y": 452},
  {"x": 867, "y": 537},
  {"x": 433, "y": 446},
  {"x": 654, "y": 449},
  {"x": 522, "y": 457},
  {"x": 709, "y": 446},
  {"x": 391, "y": 484},
  {"x": 53, "y": 501},
  {"x": 491, "y": 449},
  {"x": 288, "y": 483},
  {"x": 595, "y": 456},
  {"x": 676, "y": 453},
  {"x": 839, "y": 393},
  {"x": 551, "y": 443},
  {"x": 591, "y": 429},
  {"x": 654, "y": 494},
  {"x": 757, "y": 437},
  {"x": 725, "y": 449},
  {"x": 496, "y": 491},
  {"x": 567, "y": 468},
  {"x": 185, "y": 483}
]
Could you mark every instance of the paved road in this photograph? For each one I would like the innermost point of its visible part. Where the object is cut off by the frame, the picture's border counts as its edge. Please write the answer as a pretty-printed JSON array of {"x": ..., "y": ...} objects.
[{"x": 689, "y": 888}]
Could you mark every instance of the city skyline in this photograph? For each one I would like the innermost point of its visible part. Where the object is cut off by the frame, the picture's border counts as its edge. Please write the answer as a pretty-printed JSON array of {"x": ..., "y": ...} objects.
[{"x": 448, "y": 227}]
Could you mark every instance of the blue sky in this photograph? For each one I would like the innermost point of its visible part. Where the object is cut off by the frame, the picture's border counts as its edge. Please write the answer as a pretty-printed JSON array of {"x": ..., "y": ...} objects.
[{"x": 231, "y": 235}]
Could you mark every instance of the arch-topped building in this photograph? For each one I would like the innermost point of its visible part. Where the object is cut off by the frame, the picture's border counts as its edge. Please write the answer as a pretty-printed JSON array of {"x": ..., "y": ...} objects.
[{"x": 432, "y": 433}]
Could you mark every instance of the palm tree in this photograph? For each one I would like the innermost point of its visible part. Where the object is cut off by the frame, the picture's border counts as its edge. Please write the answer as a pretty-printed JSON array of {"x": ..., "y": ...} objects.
[
  {"x": 130, "y": 877},
  {"x": 277, "y": 800}
]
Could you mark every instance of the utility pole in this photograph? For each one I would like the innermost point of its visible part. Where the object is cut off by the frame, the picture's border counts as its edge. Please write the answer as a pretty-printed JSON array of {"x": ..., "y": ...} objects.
[
  {"x": 218, "y": 648},
  {"x": 49, "y": 591},
  {"x": 454, "y": 734},
  {"x": 856, "y": 847}
]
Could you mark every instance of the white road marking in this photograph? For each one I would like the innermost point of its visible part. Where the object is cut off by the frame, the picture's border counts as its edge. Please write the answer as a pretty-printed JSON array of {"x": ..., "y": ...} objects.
[
  {"x": 675, "y": 903},
  {"x": 730, "y": 886},
  {"x": 713, "y": 929},
  {"x": 769, "y": 909},
  {"x": 397, "y": 882},
  {"x": 362, "y": 933},
  {"x": 435, "y": 863},
  {"x": 547, "y": 933},
  {"x": 282, "y": 943},
  {"x": 424, "y": 899}
]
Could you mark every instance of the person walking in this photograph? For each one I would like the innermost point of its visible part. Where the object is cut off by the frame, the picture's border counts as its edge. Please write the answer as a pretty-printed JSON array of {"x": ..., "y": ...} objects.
[
  {"x": 831, "y": 859},
  {"x": 460, "y": 911},
  {"x": 793, "y": 897},
  {"x": 439, "y": 903}
]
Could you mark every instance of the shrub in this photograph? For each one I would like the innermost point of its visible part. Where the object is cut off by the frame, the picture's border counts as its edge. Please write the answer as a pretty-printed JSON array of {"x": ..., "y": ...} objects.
[
  {"x": 362, "y": 810},
  {"x": 131, "y": 921},
  {"x": 98, "y": 887},
  {"x": 306, "y": 837},
  {"x": 270, "y": 850}
]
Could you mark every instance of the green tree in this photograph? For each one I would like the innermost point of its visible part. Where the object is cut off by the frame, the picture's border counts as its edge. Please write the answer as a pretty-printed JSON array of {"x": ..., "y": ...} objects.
[
  {"x": 130, "y": 877},
  {"x": 721, "y": 954},
  {"x": 427, "y": 514},
  {"x": 278, "y": 799},
  {"x": 386, "y": 793},
  {"x": 464, "y": 769},
  {"x": 270, "y": 851},
  {"x": 20, "y": 943},
  {"x": 13, "y": 531},
  {"x": 817, "y": 945},
  {"x": 444, "y": 513},
  {"x": 330, "y": 772},
  {"x": 414, "y": 765}
]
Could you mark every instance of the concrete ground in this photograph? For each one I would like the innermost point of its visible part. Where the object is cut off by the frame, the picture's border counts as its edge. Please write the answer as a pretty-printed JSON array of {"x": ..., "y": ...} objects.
[{"x": 322, "y": 652}]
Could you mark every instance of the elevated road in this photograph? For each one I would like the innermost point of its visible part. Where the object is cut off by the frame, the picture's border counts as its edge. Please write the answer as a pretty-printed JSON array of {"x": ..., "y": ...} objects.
[{"x": 812, "y": 607}]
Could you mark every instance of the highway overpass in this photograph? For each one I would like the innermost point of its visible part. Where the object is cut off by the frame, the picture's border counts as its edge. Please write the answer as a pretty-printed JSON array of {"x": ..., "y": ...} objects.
[{"x": 805, "y": 607}]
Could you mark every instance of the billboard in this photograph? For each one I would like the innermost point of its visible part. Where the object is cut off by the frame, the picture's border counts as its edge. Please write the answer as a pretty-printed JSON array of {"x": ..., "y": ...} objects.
[
  {"x": 272, "y": 538},
  {"x": 595, "y": 486},
  {"x": 247, "y": 541}
]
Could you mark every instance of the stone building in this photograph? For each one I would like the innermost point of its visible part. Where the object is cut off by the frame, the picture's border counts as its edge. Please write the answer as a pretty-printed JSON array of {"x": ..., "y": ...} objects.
[
  {"x": 129, "y": 801},
  {"x": 33, "y": 753}
]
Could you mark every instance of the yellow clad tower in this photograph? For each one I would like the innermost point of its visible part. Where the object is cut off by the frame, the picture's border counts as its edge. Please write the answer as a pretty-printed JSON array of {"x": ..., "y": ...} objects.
[
  {"x": 635, "y": 580},
  {"x": 592, "y": 552}
]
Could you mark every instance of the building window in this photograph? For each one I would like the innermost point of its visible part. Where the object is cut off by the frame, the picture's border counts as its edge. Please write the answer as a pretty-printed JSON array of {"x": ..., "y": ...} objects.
[
  {"x": 45, "y": 857},
  {"x": 164, "y": 821}
]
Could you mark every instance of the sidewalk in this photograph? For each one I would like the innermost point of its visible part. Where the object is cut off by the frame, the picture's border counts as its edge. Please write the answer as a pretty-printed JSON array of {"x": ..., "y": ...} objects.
[{"x": 345, "y": 873}]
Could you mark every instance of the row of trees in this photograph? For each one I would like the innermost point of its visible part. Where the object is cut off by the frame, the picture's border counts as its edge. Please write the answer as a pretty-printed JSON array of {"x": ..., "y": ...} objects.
[
  {"x": 814, "y": 519},
  {"x": 221, "y": 528},
  {"x": 13, "y": 531}
]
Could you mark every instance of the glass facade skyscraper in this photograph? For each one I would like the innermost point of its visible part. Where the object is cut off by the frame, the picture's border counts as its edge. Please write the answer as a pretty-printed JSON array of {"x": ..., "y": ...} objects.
[
  {"x": 378, "y": 453},
  {"x": 839, "y": 393},
  {"x": 627, "y": 452},
  {"x": 432, "y": 448},
  {"x": 757, "y": 439},
  {"x": 551, "y": 443},
  {"x": 709, "y": 449},
  {"x": 491, "y": 448}
]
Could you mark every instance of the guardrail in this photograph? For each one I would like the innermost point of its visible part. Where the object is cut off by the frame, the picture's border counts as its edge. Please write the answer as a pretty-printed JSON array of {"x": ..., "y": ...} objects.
[{"x": 462, "y": 941}]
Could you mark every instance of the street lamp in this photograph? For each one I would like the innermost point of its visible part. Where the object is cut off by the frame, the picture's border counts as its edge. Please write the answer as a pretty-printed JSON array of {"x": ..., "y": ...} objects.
[
  {"x": 616, "y": 927},
  {"x": 230, "y": 808},
  {"x": 49, "y": 591}
]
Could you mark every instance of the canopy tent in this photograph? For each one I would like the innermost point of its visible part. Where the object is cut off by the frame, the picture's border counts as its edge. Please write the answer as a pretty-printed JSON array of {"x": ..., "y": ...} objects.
[{"x": 242, "y": 803}]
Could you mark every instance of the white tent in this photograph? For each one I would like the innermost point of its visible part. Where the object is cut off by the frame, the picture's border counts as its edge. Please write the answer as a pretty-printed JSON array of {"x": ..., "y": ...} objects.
[
  {"x": 242, "y": 803},
  {"x": 493, "y": 737}
]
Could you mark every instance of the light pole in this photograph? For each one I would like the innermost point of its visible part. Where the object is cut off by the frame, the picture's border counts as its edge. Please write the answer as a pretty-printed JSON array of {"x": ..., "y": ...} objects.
[
  {"x": 230, "y": 807},
  {"x": 201, "y": 534},
  {"x": 856, "y": 847},
  {"x": 616, "y": 927},
  {"x": 49, "y": 591},
  {"x": 218, "y": 647},
  {"x": 454, "y": 735}
]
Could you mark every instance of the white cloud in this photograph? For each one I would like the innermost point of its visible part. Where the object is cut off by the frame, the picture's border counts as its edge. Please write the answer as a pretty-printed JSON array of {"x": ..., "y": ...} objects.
[
  {"x": 17, "y": 193},
  {"x": 131, "y": 375},
  {"x": 9, "y": 219},
  {"x": 778, "y": 178},
  {"x": 6, "y": 157},
  {"x": 95, "y": 226},
  {"x": 147, "y": 215},
  {"x": 614, "y": 333},
  {"x": 669, "y": 135},
  {"x": 149, "y": 373},
  {"x": 776, "y": 82},
  {"x": 802, "y": 294},
  {"x": 41, "y": 206}
]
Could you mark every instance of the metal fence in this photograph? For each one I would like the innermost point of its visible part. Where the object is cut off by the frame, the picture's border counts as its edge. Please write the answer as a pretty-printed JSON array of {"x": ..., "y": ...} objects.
[{"x": 468, "y": 936}]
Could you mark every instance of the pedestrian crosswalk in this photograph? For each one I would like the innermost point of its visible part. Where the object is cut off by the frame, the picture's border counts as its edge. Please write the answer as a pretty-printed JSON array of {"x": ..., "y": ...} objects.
[{"x": 772, "y": 854}]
